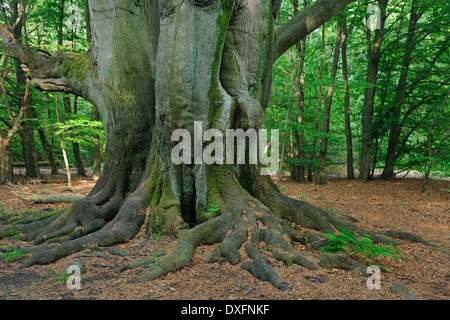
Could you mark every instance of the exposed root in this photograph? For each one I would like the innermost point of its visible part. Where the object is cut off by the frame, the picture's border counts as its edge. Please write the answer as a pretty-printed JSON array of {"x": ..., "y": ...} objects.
[
  {"x": 38, "y": 198},
  {"x": 252, "y": 228},
  {"x": 243, "y": 222},
  {"x": 122, "y": 228}
]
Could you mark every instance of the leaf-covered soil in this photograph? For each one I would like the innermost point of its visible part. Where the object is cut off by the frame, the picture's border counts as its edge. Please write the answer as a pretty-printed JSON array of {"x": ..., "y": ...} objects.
[{"x": 378, "y": 205}]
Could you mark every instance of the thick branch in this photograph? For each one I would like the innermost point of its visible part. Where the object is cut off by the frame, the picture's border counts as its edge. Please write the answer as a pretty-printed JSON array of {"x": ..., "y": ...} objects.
[
  {"x": 64, "y": 72},
  {"x": 304, "y": 23},
  {"x": 22, "y": 53}
]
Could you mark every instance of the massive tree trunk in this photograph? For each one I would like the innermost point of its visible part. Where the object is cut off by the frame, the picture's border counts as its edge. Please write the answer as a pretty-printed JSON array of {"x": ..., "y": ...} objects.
[{"x": 206, "y": 61}]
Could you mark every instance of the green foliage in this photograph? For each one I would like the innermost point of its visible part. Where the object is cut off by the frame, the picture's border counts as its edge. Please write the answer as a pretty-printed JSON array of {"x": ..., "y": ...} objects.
[
  {"x": 79, "y": 129},
  {"x": 3, "y": 209},
  {"x": 346, "y": 242},
  {"x": 11, "y": 255},
  {"x": 426, "y": 86},
  {"x": 156, "y": 235},
  {"x": 62, "y": 278},
  {"x": 213, "y": 209}
]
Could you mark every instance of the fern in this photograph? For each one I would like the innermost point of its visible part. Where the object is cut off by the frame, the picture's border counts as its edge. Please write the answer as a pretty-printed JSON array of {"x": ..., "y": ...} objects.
[{"x": 346, "y": 242}]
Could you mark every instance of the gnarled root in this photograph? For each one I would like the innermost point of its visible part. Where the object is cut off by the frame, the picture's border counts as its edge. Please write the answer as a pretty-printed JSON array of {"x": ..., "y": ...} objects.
[
  {"x": 243, "y": 223},
  {"x": 253, "y": 227}
]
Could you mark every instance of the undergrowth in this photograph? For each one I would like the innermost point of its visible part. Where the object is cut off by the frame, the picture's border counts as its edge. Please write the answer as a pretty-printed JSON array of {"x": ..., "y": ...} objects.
[{"x": 346, "y": 242}]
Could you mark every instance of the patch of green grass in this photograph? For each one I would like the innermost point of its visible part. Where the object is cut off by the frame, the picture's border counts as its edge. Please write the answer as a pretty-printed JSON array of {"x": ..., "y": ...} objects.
[
  {"x": 61, "y": 277},
  {"x": 11, "y": 255},
  {"x": 303, "y": 196},
  {"x": 331, "y": 209},
  {"x": 64, "y": 277},
  {"x": 10, "y": 233},
  {"x": 156, "y": 235}
]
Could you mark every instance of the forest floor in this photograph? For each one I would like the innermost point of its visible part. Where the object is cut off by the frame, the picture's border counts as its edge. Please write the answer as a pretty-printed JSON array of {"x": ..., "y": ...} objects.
[{"x": 378, "y": 205}]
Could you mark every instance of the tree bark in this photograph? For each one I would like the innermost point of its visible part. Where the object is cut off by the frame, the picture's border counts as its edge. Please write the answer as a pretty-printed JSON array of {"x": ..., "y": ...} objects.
[
  {"x": 46, "y": 146},
  {"x": 26, "y": 131},
  {"x": 63, "y": 147},
  {"x": 373, "y": 59},
  {"x": 321, "y": 172},
  {"x": 347, "y": 120},
  {"x": 6, "y": 169},
  {"x": 97, "y": 154},
  {"x": 75, "y": 145},
  {"x": 319, "y": 110},
  {"x": 298, "y": 172},
  {"x": 400, "y": 94}
]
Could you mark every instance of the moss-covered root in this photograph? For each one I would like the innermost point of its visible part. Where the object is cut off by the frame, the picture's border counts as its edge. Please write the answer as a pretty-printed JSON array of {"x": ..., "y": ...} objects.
[
  {"x": 260, "y": 268},
  {"x": 208, "y": 233},
  {"x": 231, "y": 231},
  {"x": 124, "y": 227},
  {"x": 82, "y": 218},
  {"x": 341, "y": 260}
]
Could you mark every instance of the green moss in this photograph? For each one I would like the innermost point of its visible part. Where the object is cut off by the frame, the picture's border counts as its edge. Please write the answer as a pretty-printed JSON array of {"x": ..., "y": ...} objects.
[
  {"x": 214, "y": 95},
  {"x": 11, "y": 255},
  {"x": 76, "y": 66},
  {"x": 109, "y": 242},
  {"x": 29, "y": 217},
  {"x": 9, "y": 233}
]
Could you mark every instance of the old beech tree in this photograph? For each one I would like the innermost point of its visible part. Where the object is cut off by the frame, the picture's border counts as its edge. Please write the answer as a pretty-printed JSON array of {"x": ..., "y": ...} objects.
[{"x": 156, "y": 66}]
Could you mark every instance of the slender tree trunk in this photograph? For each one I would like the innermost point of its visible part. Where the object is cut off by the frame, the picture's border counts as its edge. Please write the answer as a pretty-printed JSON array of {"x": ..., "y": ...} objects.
[
  {"x": 6, "y": 166},
  {"x": 27, "y": 130},
  {"x": 280, "y": 169},
  {"x": 67, "y": 103},
  {"x": 61, "y": 22},
  {"x": 430, "y": 153},
  {"x": 400, "y": 92},
  {"x": 298, "y": 172},
  {"x": 46, "y": 146},
  {"x": 6, "y": 169},
  {"x": 348, "y": 128},
  {"x": 375, "y": 156},
  {"x": 61, "y": 140},
  {"x": 373, "y": 59},
  {"x": 28, "y": 148},
  {"x": 76, "y": 146},
  {"x": 319, "y": 109},
  {"x": 97, "y": 155},
  {"x": 321, "y": 172}
]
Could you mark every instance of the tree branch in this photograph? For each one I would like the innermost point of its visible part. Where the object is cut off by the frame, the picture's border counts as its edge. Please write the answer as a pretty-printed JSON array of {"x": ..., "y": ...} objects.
[
  {"x": 46, "y": 71},
  {"x": 304, "y": 23}
]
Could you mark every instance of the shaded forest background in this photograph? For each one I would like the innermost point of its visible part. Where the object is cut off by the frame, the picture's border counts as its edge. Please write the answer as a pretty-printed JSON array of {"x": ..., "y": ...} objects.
[{"x": 349, "y": 99}]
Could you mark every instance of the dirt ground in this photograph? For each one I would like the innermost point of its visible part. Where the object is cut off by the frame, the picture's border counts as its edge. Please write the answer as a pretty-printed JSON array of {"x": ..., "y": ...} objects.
[{"x": 378, "y": 205}]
